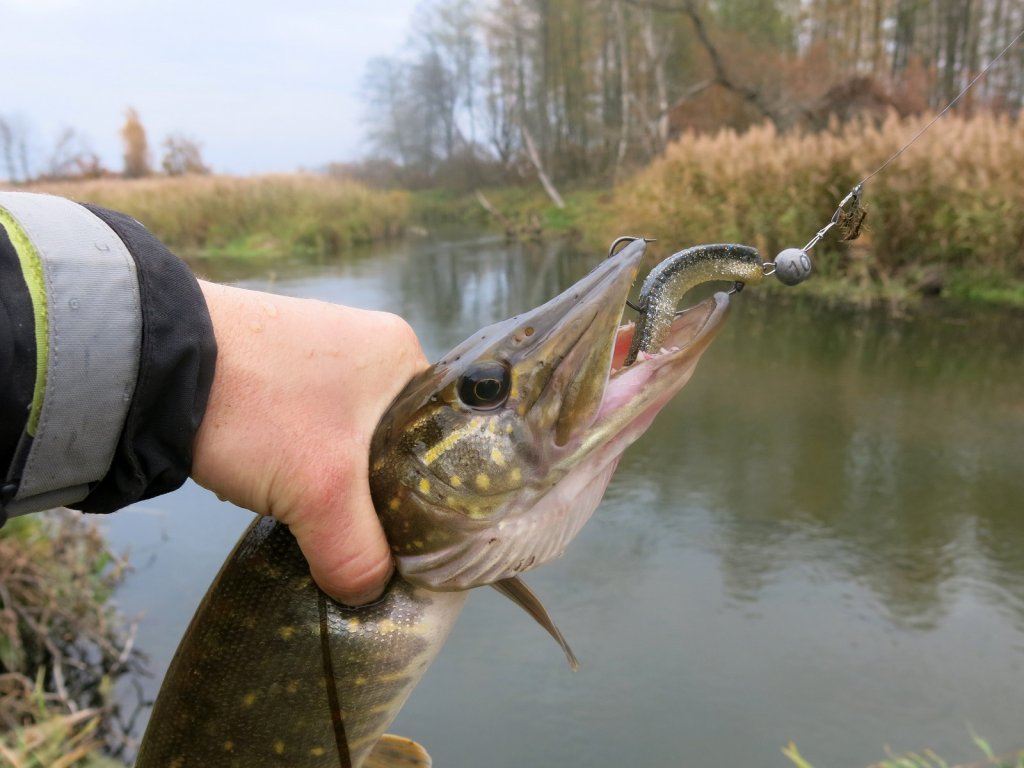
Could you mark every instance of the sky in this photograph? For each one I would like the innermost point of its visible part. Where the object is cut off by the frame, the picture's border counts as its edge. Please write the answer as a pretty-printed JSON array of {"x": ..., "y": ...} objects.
[{"x": 263, "y": 85}]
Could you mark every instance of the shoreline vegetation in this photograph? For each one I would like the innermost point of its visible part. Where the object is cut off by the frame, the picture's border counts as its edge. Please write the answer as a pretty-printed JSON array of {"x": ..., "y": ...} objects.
[
  {"x": 65, "y": 650},
  {"x": 943, "y": 219},
  {"x": 270, "y": 215}
]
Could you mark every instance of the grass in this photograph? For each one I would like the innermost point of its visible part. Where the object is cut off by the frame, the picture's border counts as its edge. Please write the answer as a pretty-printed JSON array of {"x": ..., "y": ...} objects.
[
  {"x": 62, "y": 643},
  {"x": 258, "y": 215},
  {"x": 928, "y": 759},
  {"x": 56, "y": 741}
]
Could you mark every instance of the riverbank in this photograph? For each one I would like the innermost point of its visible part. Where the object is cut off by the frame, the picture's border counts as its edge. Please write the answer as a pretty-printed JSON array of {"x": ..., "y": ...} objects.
[
  {"x": 944, "y": 219},
  {"x": 63, "y": 645},
  {"x": 245, "y": 216}
]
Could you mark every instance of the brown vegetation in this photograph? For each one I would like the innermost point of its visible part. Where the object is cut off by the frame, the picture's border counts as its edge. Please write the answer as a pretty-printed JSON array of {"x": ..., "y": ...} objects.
[
  {"x": 62, "y": 645},
  {"x": 264, "y": 214},
  {"x": 952, "y": 201}
]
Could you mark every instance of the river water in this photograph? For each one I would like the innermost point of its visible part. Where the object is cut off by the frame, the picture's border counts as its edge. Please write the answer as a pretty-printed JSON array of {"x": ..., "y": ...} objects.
[{"x": 821, "y": 540}]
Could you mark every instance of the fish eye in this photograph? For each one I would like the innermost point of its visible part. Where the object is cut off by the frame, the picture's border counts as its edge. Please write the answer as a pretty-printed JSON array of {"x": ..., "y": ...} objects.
[{"x": 485, "y": 385}]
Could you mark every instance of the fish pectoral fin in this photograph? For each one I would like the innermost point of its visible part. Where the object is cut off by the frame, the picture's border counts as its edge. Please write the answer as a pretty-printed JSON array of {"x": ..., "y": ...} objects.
[
  {"x": 397, "y": 752},
  {"x": 515, "y": 589}
]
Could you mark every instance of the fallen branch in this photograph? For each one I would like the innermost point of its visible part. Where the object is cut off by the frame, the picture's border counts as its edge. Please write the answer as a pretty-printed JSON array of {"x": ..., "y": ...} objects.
[{"x": 531, "y": 151}]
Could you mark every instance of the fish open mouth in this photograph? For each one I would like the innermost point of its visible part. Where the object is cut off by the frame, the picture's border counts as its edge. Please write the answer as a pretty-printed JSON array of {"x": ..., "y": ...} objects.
[
  {"x": 573, "y": 407},
  {"x": 651, "y": 381}
]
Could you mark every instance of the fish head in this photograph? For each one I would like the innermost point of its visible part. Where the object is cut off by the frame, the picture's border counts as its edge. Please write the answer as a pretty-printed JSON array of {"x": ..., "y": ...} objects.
[{"x": 490, "y": 461}]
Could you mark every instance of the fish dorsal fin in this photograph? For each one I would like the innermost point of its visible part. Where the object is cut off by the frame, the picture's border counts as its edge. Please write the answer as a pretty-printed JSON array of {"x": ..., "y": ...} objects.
[
  {"x": 397, "y": 752},
  {"x": 515, "y": 589}
]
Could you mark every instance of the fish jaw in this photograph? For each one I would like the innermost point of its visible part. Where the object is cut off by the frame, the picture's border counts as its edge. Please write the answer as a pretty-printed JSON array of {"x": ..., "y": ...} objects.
[
  {"x": 477, "y": 496},
  {"x": 636, "y": 393}
]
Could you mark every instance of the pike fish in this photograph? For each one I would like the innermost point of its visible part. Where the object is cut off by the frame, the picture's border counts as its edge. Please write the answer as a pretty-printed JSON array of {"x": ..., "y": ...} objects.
[{"x": 485, "y": 466}]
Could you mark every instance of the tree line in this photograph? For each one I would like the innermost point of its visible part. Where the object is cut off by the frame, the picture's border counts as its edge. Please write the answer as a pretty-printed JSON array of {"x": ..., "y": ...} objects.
[
  {"x": 72, "y": 157},
  {"x": 574, "y": 89}
]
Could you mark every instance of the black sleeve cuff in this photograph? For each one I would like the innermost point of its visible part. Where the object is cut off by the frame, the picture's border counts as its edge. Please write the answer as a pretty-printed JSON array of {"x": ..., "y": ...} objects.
[{"x": 178, "y": 355}]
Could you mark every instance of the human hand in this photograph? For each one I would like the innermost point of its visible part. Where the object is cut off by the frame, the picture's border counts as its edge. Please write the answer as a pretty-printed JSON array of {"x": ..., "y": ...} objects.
[{"x": 298, "y": 390}]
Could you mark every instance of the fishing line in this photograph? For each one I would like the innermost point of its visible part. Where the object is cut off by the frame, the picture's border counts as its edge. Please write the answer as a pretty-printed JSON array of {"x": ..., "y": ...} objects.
[
  {"x": 946, "y": 109},
  {"x": 793, "y": 264}
]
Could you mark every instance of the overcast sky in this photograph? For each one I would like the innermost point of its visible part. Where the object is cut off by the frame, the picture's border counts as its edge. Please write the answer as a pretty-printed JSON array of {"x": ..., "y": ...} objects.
[{"x": 263, "y": 85}]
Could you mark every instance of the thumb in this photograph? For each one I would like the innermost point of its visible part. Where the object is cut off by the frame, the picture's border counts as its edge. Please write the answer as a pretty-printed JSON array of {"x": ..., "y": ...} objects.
[{"x": 348, "y": 555}]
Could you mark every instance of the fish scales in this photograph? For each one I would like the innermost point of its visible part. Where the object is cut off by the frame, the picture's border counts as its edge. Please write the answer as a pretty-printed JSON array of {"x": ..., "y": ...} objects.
[{"x": 278, "y": 699}]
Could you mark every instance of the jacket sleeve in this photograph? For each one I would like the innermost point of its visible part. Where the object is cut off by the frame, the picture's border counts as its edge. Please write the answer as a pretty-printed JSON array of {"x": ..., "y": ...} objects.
[{"x": 107, "y": 354}]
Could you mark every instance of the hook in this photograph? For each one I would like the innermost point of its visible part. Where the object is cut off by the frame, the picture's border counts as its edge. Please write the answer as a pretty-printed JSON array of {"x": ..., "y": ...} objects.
[{"x": 611, "y": 252}]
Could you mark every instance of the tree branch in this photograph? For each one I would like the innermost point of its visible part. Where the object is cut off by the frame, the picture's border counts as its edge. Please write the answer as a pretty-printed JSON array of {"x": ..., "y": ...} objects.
[
  {"x": 721, "y": 77},
  {"x": 531, "y": 150}
]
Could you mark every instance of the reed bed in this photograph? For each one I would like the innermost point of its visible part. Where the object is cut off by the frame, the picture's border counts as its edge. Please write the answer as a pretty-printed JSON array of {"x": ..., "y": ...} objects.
[
  {"x": 952, "y": 202},
  {"x": 273, "y": 214}
]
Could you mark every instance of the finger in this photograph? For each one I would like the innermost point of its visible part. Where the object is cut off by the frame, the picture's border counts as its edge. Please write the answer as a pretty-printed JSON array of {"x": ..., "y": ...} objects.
[{"x": 348, "y": 554}]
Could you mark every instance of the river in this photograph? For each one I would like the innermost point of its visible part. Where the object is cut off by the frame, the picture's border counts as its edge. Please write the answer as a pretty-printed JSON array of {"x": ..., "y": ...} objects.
[{"x": 820, "y": 540}]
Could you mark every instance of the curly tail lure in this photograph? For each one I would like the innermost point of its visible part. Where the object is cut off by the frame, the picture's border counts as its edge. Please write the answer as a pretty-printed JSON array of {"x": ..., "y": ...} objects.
[{"x": 674, "y": 277}]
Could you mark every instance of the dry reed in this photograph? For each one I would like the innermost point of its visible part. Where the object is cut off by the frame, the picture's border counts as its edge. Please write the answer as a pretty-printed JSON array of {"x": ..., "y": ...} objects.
[
  {"x": 274, "y": 214},
  {"x": 954, "y": 199}
]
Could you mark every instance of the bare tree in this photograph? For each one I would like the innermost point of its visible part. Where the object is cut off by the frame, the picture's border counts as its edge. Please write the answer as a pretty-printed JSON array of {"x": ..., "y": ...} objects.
[
  {"x": 14, "y": 147},
  {"x": 183, "y": 156},
  {"x": 73, "y": 158},
  {"x": 578, "y": 88}
]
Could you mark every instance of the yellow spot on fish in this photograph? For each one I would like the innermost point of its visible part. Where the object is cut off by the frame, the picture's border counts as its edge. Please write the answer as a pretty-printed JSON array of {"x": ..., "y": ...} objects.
[
  {"x": 483, "y": 482},
  {"x": 361, "y": 680},
  {"x": 456, "y": 481},
  {"x": 492, "y": 425},
  {"x": 395, "y": 503},
  {"x": 509, "y": 428},
  {"x": 292, "y": 686},
  {"x": 386, "y": 626},
  {"x": 279, "y": 747},
  {"x": 497, "y": 457},
  {"x": 229, "y": 745},
  {"x": 286, "y": 633},
  {"x": 418, "y": 543},
  {"x": 424, "y": 485},
  {"x": 435, "y": 451},
  {"x": 515, "y": 475},
  {"x": 393, "y": 677},
  {"x": 249, "y": 699},
  {"x": 353, "y": 625},
  {"x": 317, "y": 751},
  {"x": 177, "y": 762}
]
